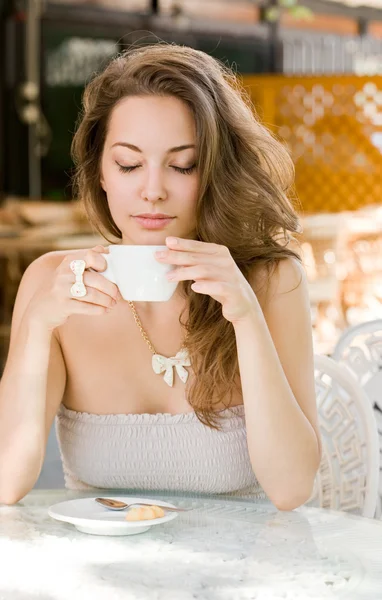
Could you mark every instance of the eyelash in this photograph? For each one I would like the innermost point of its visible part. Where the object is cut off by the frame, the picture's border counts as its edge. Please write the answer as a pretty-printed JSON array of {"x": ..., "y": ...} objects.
[{"x": 187, "y": 171}]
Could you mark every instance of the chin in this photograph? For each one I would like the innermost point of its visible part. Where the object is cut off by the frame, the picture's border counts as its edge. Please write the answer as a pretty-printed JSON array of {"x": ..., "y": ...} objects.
[
  {"x": 146, "y": 238},
  {"x": 142, "y": 237}
]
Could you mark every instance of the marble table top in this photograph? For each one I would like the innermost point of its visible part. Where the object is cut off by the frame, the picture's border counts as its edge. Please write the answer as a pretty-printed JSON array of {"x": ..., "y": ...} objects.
[{"x": 224, "y": 549}]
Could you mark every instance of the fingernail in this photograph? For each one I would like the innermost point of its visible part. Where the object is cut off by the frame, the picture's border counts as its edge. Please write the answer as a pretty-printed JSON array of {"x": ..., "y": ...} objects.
[{"x": 160, "y": 254}]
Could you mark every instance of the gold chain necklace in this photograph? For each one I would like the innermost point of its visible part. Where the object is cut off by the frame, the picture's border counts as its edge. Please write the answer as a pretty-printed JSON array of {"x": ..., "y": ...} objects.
[{"x": 161, "y": 363}]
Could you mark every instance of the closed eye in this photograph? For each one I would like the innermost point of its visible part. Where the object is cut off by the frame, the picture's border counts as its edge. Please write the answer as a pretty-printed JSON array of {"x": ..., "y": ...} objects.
[
  {"x": 182, "y": 170},
  {"x": 127, "y": 169},
  {"x": 187, "y": 171}
]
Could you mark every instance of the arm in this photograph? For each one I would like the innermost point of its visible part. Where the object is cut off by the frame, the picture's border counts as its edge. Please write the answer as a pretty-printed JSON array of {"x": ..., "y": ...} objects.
[
  {"x": 34, "y": 379},
  {"x": 271, "y": 320},
  {"x": 31, "y": 390},
  {"x": 274, "y": 345}
]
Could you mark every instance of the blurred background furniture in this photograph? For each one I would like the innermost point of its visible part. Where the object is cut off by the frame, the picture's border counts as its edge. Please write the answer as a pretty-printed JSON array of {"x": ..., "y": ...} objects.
[
  {"x": 321, "y": 248},
  {"x": 361, "y": 289},
  {"x": 359, "y": 349},
  {"x": 342, "y": 256},
  {"x": 348, "y": 475}
]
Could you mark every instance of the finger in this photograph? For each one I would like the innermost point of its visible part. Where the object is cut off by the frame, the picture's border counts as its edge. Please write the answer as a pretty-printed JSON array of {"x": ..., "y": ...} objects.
[
  {"x": 94, "y": 296},
  {"x": 93, "y": 260},
  {"x": 94, "y": 280},
  {"x": 215, "y": 289},
  {"x": 182, "y": 245},
  {"x": 101, "y": 249},
  {"x": 207, "y": 271},
  {"x": 87, "y": 308},
  {"x": 185, "y": 258}
]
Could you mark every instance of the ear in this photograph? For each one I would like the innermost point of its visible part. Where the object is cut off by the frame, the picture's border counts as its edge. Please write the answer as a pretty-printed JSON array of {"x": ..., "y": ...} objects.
[{"x": 102, "y": 182}]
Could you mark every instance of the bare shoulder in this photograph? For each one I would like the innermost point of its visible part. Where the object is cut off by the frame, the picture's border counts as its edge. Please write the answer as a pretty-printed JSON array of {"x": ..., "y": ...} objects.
[
  {"x": 46, "y": 263},
  {"x": 43, "y": 266},
  {"x": 35, "y": 276},
  {"x": 269, "y": 282}
]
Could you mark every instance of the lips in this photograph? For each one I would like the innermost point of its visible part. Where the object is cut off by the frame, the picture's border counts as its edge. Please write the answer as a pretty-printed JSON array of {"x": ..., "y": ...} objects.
[
  {"x": 154, "y": 216},
  {"x": 154, "y": 221}
]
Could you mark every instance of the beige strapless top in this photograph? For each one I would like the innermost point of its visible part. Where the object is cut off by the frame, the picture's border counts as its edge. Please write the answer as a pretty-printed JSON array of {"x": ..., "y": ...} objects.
[{"x": 156, "y": 452}]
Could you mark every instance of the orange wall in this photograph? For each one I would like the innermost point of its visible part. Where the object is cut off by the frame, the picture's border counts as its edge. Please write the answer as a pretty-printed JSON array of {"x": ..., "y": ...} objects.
[
  {"x": 331, "y": 126},
  {"x": 375, "y": 29}
]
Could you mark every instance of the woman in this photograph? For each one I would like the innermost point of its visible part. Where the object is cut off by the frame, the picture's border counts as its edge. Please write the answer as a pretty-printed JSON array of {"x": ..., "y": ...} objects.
[{"x": 168, "y": 152}]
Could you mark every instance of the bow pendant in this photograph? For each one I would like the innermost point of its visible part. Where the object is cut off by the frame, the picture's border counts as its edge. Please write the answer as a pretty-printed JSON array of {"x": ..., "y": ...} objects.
[{"x": 179, "y": 361}]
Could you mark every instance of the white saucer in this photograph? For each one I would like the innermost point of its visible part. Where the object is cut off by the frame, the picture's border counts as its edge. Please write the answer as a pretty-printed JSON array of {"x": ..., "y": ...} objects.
[{"x": 90, "y": 517}]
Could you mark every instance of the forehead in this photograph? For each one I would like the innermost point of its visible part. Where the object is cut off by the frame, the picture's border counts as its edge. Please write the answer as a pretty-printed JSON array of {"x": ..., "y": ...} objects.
[{"x": 166, "y": 119}]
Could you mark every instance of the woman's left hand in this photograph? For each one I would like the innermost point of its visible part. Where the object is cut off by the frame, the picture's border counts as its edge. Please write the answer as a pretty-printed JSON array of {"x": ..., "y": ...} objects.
[{"x": 214, "y": 272}]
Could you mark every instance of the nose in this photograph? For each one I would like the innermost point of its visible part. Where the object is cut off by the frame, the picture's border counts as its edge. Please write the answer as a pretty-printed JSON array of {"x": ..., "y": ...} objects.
[{"x": 154, "y": 188}]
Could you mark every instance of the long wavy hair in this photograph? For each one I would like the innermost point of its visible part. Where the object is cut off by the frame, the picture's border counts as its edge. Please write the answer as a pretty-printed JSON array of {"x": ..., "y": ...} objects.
[{"x": 245, "y": 176}]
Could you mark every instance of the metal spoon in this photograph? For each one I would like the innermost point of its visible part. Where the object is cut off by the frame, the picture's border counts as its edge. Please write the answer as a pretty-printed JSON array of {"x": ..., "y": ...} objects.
[{"x": 118, "y": 505}]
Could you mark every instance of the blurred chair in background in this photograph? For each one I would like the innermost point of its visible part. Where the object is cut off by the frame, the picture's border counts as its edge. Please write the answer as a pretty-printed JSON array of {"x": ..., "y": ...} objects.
[
  {"x": 348, "y": 475},
  {"x": 359, "y": 349}
]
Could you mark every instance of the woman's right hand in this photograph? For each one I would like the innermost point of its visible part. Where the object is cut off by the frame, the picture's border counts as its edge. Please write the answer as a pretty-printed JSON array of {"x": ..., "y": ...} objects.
[{"x": 53, "y": 304}]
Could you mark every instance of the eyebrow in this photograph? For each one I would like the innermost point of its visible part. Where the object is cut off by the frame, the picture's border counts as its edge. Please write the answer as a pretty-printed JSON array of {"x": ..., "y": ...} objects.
[{"x": 170, "y": 151}]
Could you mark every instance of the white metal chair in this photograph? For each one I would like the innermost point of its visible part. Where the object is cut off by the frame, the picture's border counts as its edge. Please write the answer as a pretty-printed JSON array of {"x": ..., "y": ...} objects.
[
  {"x": 360, "y": 349},
  {"x": 348, "y": 475}
]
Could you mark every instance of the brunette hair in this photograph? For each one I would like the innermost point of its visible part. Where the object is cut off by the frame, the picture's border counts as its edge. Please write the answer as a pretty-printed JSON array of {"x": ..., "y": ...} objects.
[{"x": 245, "y": 175}]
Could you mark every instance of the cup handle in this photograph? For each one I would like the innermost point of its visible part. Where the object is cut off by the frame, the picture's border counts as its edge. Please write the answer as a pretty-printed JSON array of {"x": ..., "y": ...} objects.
[{"x": 108, "y": 273}]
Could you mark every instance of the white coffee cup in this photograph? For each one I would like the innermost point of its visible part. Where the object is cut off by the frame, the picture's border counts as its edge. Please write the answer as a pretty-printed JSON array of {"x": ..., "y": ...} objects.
[{"x": 138, "y": 274}]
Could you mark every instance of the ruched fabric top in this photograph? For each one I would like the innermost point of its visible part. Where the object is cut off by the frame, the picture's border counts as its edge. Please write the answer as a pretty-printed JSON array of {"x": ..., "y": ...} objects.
[{"x": 156, "y": 452}]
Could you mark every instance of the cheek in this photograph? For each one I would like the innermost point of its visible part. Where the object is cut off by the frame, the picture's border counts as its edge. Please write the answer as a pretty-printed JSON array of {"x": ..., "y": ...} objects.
[
  {"x": 188, "y": 188},
  {"x": 117, "y": 187},
  {"x": 112, "y": 180},
  {"x": 116, "y": 194},
  {"x": 193, "y": 192}
]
